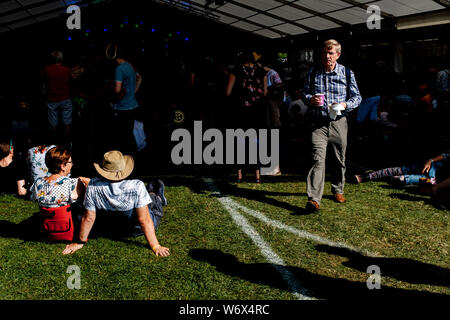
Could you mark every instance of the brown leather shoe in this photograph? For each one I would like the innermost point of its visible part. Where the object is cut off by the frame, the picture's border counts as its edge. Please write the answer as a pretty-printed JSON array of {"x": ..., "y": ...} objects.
[
  {"x": 312, "y": 206},
  {"x": 339, "y": 197}
]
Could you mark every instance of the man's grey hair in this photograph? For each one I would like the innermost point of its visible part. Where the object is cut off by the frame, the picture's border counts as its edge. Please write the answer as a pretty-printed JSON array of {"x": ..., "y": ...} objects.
[
  {"x": 57, "y": 56},
  {"x": 329, "y": 44}
]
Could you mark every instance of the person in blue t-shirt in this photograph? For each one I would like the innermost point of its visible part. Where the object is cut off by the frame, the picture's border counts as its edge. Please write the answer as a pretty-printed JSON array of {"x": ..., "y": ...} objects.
[{"x": 126, "y": 83}]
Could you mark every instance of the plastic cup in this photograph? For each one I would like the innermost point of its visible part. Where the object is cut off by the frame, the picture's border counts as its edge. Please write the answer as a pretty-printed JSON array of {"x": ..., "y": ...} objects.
[{"x": 322, "y": 98}]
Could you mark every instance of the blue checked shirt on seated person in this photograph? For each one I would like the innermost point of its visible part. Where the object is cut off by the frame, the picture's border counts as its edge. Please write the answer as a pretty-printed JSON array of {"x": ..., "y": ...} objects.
[
  {"x": 123, "y": 196},
  {"x": 334, "y": 85}
]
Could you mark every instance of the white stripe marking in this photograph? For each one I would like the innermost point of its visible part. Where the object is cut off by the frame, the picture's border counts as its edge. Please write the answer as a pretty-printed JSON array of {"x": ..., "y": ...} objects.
[
  {"x": 300, "y": 233},
  {"x": 279, "y": 265}
]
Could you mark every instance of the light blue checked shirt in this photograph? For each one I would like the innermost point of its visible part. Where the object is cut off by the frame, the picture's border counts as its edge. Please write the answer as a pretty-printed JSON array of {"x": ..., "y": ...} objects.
[
  {"x": 123, "y": 195},
  {"x": 334, "y": 85}
]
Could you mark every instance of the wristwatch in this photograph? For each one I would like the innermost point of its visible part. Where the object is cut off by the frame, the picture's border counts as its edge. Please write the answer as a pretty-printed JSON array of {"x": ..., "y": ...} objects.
[{"x": 79, "y": 241}]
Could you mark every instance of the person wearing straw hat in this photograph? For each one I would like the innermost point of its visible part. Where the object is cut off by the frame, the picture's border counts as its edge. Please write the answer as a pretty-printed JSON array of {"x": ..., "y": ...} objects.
[{"x": 123, "y": 205}]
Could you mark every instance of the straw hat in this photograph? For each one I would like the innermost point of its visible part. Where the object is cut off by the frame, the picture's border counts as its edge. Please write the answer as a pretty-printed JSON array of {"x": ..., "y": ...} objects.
[{"x": 115, "y": 166}]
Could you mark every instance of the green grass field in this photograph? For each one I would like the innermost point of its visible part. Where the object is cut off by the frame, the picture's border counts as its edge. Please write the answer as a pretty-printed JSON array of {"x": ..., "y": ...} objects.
[{"x": 212, "y": 258}]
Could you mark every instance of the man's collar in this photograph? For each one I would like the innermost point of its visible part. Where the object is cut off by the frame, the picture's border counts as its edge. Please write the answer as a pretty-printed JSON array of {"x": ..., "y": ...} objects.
[{"x": 336, "y": 69}]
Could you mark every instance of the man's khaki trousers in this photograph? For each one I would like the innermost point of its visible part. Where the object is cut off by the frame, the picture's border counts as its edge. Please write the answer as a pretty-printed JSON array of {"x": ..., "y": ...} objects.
[{"x": 335, "y": 133}]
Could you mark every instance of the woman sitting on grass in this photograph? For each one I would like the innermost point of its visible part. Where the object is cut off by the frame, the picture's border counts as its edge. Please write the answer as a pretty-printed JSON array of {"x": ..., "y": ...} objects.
[{"x": 56, "y": 191}]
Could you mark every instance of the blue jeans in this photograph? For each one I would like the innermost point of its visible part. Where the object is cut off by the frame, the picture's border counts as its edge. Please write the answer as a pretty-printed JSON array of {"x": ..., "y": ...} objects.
[{"x": 413, "y": 172}]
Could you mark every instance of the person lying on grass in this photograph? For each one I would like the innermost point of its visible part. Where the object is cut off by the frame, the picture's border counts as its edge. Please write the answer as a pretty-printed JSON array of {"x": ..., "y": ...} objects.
[
  {"x": 124, "y": 207},
  {"x": 411, "y": 174}
]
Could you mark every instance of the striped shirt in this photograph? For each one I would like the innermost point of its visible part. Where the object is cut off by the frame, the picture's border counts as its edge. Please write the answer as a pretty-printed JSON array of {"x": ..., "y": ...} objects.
[
  {"x": 115, "y": 196},
  {"x": 334, "y": 85}
]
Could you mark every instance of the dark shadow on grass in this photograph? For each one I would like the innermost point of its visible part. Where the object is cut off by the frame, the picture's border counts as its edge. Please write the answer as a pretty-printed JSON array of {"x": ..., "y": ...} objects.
[
  {"x": 321, "y": 287},
  {"x": 402, "y": 269},
  {"x": 27, "y": 230},
  {"x": 303, "y": 212},
  {"x": 224, "y": 176},
  {"x": 130, "y": 242},
  {"x": 250, "y": 178},
  {"x": 436, "y": 204},
  {"x": 263, "y": 197},
  {"x": 408, "y": 197},
  {"x": 196, "y": 185},
  {"x": 329, "y": 197},
  {"x": 408, "y": 189}
]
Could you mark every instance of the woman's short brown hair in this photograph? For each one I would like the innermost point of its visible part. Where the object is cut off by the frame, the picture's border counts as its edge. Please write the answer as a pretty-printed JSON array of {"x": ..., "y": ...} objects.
[
  {"x": 4, "y": 149},
  {"x": 56, "y": 157}
]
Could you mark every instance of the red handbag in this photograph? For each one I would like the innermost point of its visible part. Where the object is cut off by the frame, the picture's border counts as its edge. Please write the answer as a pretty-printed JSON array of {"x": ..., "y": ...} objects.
[{"x": 57, "y": 223}]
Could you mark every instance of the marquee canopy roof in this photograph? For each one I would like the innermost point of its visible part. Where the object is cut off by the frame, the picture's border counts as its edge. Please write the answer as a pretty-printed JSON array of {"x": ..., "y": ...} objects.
[
  {"x": 267, "y": 18},
  {"x": 279, "y": 18}
]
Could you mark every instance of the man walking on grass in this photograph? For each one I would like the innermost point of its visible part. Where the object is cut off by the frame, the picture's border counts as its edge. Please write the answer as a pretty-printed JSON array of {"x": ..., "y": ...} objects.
[{"x": 331, "y": 93}]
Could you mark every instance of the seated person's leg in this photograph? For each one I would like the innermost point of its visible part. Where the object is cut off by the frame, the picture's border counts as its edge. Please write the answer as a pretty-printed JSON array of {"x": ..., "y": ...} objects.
[
  {"x": 383, "y": 173},
  {"x": 155, "y": 214},
  {"x": 413, "y": 179},
  {"x": 157, "y": 188},
  {"x": 156, "y": 209},
  {"x": 126, "y": 223}
]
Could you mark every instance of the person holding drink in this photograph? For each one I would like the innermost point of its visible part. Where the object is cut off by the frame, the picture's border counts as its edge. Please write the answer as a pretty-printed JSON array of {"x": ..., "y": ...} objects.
[{"x": 331, "y": 93}]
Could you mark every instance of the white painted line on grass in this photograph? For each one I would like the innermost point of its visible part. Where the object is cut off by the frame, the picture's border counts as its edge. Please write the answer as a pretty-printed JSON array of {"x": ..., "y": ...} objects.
[
  {"x": 294, "y": 285},
  {"x": 300, "y": 233}
]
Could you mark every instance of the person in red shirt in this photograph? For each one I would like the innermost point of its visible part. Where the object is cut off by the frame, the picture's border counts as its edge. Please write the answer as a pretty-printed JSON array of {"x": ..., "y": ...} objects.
[{"x": 57, "y": 77}]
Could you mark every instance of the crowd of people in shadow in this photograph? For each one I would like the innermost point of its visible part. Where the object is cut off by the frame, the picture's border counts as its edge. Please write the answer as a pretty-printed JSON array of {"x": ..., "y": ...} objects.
[
  {"x": 106, "y": 119},
  {"x": 36, "y": 156}
]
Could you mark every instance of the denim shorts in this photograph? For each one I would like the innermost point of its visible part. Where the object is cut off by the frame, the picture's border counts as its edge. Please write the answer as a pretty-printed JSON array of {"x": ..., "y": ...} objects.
[{"x": 55, "y": 108}]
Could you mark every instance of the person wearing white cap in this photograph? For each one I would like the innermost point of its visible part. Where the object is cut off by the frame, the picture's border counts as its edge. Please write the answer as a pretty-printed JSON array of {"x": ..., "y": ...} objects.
[{"x": 125, "y": 204}]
